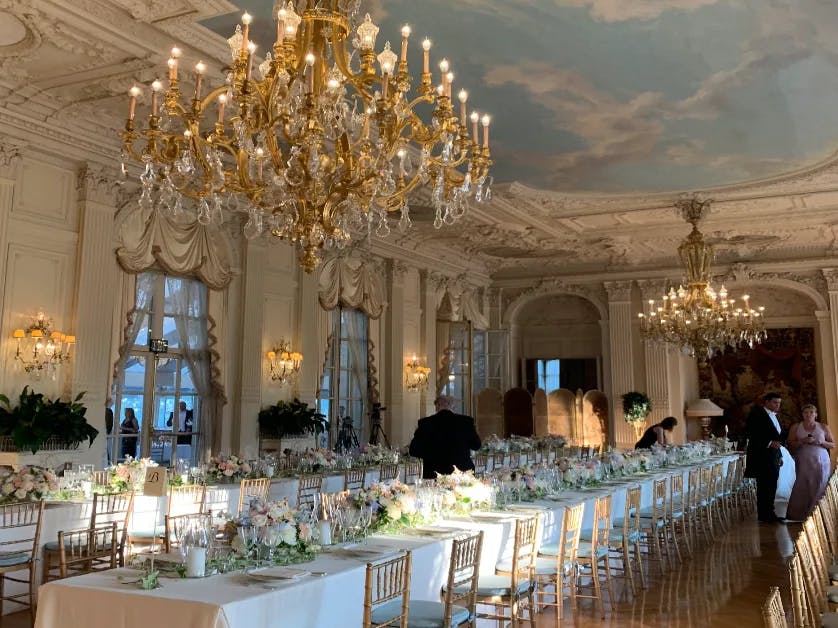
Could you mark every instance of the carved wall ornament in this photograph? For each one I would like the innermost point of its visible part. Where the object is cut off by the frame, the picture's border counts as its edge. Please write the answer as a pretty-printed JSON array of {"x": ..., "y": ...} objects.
[
  {"x": 618, "y": 290},
  {"x": 97, "y": 183}
]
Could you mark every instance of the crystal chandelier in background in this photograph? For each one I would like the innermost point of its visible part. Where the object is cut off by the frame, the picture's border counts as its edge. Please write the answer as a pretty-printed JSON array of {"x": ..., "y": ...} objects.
[
  {"x": 318, "y": 142},
  {"x": 698, "y": 319}
]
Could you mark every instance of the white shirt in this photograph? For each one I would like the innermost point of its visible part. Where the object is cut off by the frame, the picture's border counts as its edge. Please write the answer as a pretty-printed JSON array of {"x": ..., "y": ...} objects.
[{"x": 773, "y": 416}]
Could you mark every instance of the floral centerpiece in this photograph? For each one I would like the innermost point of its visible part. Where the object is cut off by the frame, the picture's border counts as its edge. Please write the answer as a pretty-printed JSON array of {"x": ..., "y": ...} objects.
[
  {"x": 550, "y": 441},
  {"x": 378, "y": 454},
  {"x": 318, "y": 460},
  {"x": 130, "y": 474},
  {"x": 464, "y": 491},
  {"x": 393, "y": 504},
  {"x": 227, "y": 468},
  {"x": 29, "y": 483},
  {"x": 530, "y": 482},
  {"x": 285, "y": 528}
]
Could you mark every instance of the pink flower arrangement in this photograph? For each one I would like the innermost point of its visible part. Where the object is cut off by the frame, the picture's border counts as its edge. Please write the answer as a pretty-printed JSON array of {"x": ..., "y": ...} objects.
[
  {"x": 28, "y": 483},
  {"x": 228, "y": 467},
  {"x": 130, "y": 475}
]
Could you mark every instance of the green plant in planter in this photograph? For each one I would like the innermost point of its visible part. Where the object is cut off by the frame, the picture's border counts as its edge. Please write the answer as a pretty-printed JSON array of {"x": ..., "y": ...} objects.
[
  {"x": 290, "y": 418},
  {"x": 636, "y": 407},
  {"x": 36, "y": 418}
]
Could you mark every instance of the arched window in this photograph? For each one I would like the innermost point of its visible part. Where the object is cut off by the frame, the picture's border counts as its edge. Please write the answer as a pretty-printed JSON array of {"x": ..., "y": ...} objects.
[{"x": 164, "y": 373}]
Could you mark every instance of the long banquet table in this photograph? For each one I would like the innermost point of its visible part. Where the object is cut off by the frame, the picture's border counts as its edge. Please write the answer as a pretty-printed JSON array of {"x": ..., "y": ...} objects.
[{"x": 336, "y": 599}]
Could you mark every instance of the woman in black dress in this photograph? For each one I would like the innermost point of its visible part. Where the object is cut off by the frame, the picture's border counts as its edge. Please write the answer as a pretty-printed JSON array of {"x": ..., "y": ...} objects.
[
  {"x": 657, "y": 434},
  {"x": 129, "y": 426}
]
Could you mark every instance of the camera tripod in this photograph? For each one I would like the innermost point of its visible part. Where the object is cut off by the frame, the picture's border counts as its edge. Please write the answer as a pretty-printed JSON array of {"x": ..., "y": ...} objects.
[
  {"x": 347, "y": 437},
  {"x": 377, "y": 431}
]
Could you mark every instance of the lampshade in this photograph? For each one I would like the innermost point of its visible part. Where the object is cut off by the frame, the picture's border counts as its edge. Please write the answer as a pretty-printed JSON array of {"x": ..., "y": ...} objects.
[{"x": 703, "y": 407}]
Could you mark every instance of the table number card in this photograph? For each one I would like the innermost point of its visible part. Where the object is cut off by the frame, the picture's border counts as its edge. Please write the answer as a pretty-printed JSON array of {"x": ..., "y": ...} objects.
[{"x": 155, "y": 482}]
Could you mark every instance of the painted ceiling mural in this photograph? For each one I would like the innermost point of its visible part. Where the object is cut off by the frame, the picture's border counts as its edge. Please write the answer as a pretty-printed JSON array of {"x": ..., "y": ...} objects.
[{"x": 631, "y": 95}]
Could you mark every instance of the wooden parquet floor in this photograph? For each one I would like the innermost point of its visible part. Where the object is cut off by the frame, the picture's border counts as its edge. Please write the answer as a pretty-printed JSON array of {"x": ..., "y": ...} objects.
[{"x": 722, "y": 586}]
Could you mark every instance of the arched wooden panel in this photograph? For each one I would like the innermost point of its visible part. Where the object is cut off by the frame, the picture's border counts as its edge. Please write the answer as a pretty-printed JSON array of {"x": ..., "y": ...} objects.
[
  {"x": 595, "y": 417},
  {"x": 518, "y": 412},
  {"x": 561, "y": 413},
  {"x": 489, "y": 413},
  {"x": 542, "y": 422}
]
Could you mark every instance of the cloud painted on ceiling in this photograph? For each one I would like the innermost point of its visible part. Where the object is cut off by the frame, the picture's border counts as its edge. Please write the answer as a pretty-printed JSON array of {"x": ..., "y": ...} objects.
[{"x": 625, "y": 95}]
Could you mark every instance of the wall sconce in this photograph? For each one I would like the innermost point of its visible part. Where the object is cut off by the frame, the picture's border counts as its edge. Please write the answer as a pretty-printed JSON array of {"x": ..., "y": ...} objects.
[
  {"x": 41, "y": 349},
  {"x": 283, "y": 362},
  {"x": 416, "y": 375}
]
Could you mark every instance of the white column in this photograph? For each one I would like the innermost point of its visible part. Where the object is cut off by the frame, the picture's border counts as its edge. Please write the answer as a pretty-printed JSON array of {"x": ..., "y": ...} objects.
[
  {"x": 244, "y": 440},
  {"x": 395, "y": 423},
  {"x": 620, "y": 318},
  {"x": 9, "y": 163},
  {"x": 95, "y": 296},
  {"x": 427, "y": 339},
  {"x": 828, "y": 336},
  {"x": 313, "y": 347},
  {"x": 657, "y": 369}
]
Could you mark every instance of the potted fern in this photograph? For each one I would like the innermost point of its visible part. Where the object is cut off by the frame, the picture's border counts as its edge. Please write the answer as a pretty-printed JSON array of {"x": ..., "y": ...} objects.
[
  {"x": 293, "y": 423},
  {"x": 636, "y": 407},
  {"x": 38, "y": 423}
]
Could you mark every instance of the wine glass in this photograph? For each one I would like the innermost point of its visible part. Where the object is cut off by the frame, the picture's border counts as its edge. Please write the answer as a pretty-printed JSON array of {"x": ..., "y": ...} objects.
[
  {"x": 271, "y": 538},
  {"x": 249, "y": 536}
]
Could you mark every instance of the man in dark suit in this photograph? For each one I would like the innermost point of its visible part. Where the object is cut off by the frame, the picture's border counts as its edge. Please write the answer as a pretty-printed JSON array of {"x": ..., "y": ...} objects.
[
  {"x": 444, "y": 440},
  {"x": 764, "y": 456},
  {"x": 184, "y": 423}
]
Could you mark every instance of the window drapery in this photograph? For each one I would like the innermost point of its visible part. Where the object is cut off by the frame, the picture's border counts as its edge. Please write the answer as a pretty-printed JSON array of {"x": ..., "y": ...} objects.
[{"x": 352, "y": 283}]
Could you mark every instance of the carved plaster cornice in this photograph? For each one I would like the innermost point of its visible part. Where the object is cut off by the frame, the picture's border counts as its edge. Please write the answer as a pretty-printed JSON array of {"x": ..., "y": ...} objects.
[
  {"x": 830, "y": 276},
  {"x": 98, "y": 184}
]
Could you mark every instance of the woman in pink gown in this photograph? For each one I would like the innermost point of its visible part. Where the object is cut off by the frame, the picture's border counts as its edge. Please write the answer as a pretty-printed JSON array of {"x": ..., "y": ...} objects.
[{"x": 809, "y": 442}]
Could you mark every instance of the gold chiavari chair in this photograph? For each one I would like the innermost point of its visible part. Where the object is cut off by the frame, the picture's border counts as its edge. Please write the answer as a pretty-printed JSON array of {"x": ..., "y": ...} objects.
[
  {"x": 654, "y": 531},
  {"x": 258, "y": 488},
  {"x": 412, "y": 471},
  {"x": 624, "y": 539},
  {"x": 21, "y": 526},
  {"x": 813, "y": 593},
  {"x": 86, "y": 551},
  {"x": 559, "y": 570},
  {"x": 676, "y": 516},
  {"x": 388, "y": 471},
  {"x": 102, "y": 478},
  {"x": 309, "y": 489},
  {"x": 706, "y": 503},
  {"x": 514, "y": 459},
  {"x": 693, "y": 504},
  {"x": 594, "y": 552},
  {"x": 512, "y": 589},
  {"x": 387, "y": 592},
  {"x": 184, "y": 499},
  {"x": 107, "y": 508},
  {"x": 498, "y": 459},
  {"x": 799, "y": 604},
  {"x": 772, "y": 611},
  {"x": 353, "y": 479},
  {"x": 481, "y": 461},
  {"x": 175, "y": 523},
  {"x": 459, "y": 595}
]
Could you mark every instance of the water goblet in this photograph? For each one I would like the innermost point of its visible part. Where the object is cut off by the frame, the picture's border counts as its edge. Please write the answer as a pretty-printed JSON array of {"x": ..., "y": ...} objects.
[{"x": 249, "y": 536}]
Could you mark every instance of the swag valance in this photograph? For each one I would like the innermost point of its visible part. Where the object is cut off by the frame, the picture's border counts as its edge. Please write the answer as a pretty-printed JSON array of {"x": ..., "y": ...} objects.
[
  {"x": 153, "y": 240},
  {"x": 352, "y": 282}
]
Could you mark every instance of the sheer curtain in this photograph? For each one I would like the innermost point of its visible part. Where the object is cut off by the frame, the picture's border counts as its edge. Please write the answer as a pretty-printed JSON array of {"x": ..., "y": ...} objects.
[
  {"x": 138, "y": 317},
  {"x": 355, "y": 330},
  {"x": 189, "y": 311}
]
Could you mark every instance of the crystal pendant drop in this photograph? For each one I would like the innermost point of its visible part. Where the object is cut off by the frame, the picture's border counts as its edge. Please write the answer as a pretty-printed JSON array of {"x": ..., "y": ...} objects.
[
  {"x": 204, "y": 216},
  {"x": 404, "y": 221}
]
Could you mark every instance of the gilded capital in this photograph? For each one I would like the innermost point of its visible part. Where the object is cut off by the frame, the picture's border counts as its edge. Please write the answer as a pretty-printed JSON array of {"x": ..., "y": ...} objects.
[{"x": 618, "y": 290}]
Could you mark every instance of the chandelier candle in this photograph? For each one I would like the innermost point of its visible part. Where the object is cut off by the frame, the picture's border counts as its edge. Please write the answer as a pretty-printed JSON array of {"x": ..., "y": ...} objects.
[{"x": 346, "y": 137}]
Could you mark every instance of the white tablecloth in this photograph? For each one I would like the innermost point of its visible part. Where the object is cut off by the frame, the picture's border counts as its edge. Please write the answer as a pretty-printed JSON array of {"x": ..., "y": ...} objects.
[{"x": 228, "y": 601}]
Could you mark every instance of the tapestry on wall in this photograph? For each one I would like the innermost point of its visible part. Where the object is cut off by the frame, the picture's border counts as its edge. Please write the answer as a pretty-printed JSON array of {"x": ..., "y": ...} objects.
[{"x": 783, "y": 363}]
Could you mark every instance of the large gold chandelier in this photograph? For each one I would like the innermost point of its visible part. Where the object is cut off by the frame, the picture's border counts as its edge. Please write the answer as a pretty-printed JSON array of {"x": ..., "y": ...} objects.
[
  {"x": 698, "y": 319},
  {"x": 317, "y": 143}
]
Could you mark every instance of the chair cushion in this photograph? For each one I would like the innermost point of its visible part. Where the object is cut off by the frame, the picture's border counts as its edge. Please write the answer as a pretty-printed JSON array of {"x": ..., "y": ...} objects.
[
  {"x": 7, "y": 559},
  {"x": 832, "y": 594},
  {"x": 146, "y": 534},
  {"x": 496, "y": 586},
  {"x": 586, "y": 550},
  {"x": 545, "y": 566},
  {"x": 833, "y": 572},
  {"x": 52, "y": 546},
  {"x": 549, "y": 549},
  {"x": 386, "y": 612},
  {"x": 427, "y": 614}
]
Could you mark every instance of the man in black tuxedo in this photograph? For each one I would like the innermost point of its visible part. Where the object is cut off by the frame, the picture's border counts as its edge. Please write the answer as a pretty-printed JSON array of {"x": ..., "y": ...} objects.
[
  {"x": 764, "y": 457},
  {"x": 185, "y": 423},
  {"x": 444, "y": 440}
]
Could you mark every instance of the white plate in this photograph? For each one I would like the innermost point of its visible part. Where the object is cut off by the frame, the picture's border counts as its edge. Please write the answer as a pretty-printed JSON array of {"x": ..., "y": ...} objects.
[{"x": 276, "y": 573}]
